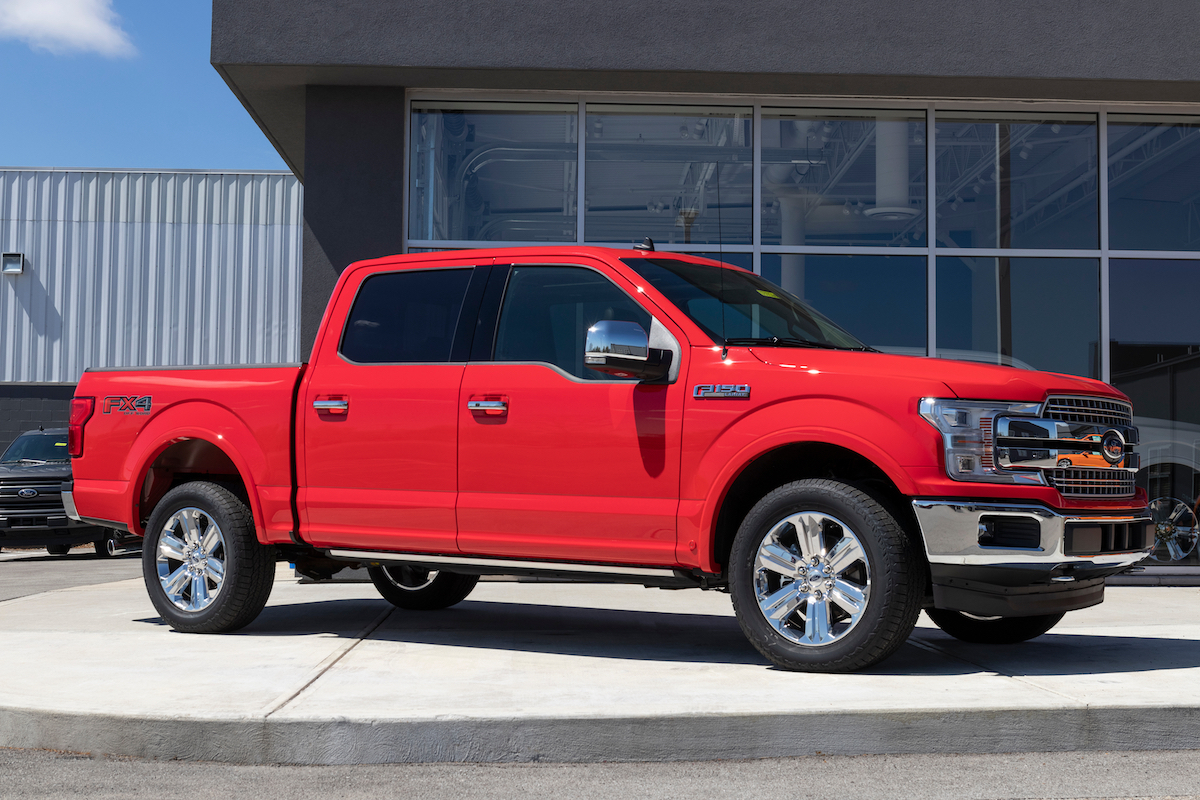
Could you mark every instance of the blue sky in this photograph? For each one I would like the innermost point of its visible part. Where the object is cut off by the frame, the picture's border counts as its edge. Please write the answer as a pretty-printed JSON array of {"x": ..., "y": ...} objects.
[{"x": 119, "y": 84}]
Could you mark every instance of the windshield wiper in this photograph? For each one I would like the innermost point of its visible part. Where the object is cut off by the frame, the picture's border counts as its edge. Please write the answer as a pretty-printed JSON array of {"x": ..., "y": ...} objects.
[
  {"x": 35, "y": 461},
  {"x": 781, "y": 341}
]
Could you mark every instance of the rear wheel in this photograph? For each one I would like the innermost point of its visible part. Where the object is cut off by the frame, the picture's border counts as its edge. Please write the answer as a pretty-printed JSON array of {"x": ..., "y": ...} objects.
[
  {"x": 204, "y": 568},
  {"x": 420, "y": 589},
  {"x": 991, "y": 630},
  {"x": 823, "y": 578}
]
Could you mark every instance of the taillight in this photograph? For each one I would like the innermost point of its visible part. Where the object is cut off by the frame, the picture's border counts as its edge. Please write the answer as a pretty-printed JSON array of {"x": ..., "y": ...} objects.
[{"x": 82, "y": 409}]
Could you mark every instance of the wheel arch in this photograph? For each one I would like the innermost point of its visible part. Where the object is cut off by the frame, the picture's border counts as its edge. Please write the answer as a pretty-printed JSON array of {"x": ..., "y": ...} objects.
[
  {"x": 193, "y": 441},
  {"x": 769, "y": 467}
]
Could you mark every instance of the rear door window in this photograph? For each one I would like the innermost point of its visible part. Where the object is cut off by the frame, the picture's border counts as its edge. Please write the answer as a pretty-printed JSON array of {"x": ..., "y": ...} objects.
[{"x": 405, "y": 317}]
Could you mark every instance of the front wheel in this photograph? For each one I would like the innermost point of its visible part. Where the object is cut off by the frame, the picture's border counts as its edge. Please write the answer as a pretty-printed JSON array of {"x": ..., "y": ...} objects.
[
  {"x": 205, "y": 570},
  {"x": 420, "y": 589},
  {"x": 991, "y": 630},
  {"x": 824, "y": 579}
]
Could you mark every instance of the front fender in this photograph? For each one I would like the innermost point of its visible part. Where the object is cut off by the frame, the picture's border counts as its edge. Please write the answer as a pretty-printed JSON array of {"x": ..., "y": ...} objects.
[
  {"x": 889, "y": 443},
  {"x": 196, "y": 419}
]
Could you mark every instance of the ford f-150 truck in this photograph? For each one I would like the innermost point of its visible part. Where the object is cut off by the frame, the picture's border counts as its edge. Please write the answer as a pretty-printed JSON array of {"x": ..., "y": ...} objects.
[{"x": 619, "y": 415}]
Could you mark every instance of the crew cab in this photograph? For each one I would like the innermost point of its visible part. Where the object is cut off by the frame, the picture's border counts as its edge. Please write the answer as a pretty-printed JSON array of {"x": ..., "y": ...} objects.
[{"x": 626, "y": 416}]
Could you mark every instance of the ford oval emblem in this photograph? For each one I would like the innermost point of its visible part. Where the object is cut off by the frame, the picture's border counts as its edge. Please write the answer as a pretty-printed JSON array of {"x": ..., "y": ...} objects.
[
  {"x": 27, "y": 493},
  {"x": 1112, "y": 447}
]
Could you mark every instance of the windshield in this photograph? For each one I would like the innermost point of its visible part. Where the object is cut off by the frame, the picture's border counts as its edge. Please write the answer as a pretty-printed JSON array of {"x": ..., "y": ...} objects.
[
  {"x": 737, "y": 307},
  {"x": 38, "y": 448}
]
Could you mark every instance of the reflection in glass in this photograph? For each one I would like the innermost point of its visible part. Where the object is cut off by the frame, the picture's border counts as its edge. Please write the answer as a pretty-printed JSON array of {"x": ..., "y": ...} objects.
[
  {"x": 677, "y": 174},
  {"x": 1153, "y": 182},
  {"x": 743, "y": 260},
  {"x": 879, "y": 299},
  {"x": 1038, "y": 313},
  {"x": 1017, "y": 181},
  {"x": 843, "y": 178},
  {"x": 493, "y": 172},
  {"x": 1155, "y": 359}
]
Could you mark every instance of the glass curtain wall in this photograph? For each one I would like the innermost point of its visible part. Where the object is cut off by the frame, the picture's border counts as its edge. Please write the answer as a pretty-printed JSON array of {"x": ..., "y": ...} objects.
[{"x": 1033, "y": 256}]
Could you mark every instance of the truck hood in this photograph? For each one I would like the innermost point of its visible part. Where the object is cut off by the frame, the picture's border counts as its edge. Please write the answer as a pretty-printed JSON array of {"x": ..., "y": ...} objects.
[
  {"x": 36, "y": 472},
  {"x": 968, "y": 380}
]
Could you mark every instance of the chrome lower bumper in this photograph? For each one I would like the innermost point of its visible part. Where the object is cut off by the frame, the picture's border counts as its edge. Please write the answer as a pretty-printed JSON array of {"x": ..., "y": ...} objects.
[
  {"x": 68, "y": 501},
  {"x": 950, "y": 529}
]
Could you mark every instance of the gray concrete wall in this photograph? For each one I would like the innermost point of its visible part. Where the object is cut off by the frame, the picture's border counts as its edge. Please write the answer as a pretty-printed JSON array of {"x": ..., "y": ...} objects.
[
  {"x": 1072, "y": 39},
  {"x": 354, "y": 188}
]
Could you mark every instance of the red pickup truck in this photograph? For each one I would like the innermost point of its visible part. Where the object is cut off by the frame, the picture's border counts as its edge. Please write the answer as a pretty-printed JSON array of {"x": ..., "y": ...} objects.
[{"x": 627, "y": 416}]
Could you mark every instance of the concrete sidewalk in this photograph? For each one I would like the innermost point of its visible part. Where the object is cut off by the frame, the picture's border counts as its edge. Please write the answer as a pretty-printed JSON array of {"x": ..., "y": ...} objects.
[{"x": 562, "y": 672}]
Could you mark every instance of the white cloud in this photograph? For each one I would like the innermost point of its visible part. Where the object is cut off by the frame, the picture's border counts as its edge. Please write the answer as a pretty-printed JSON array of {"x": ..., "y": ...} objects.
[{"x": 63, "y": 26}]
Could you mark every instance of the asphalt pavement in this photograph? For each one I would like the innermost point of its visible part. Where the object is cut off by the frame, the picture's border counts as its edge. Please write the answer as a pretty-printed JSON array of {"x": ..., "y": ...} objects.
[
  {"x": 1172, "y": 775},
  {"x": 27, "y": 572}
]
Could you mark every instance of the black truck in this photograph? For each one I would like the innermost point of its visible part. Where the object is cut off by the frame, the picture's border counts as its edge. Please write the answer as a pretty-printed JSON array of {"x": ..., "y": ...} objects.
[{"x": 32, "y": 472}]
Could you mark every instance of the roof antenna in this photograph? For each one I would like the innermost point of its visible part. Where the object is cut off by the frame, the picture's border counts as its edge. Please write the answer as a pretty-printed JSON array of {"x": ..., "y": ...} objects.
[
  {"x": 40, "y": 428},
  {"x": 721, "y": 255},
  {"x": 647, "y": 245}
]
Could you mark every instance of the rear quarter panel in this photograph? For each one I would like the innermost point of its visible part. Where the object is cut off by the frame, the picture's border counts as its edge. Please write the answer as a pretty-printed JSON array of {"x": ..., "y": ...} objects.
[{"x": 244, "y": 411}]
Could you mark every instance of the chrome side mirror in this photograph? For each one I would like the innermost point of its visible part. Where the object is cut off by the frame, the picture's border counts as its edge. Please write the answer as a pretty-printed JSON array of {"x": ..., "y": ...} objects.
[{"x": 622, "y": 349}]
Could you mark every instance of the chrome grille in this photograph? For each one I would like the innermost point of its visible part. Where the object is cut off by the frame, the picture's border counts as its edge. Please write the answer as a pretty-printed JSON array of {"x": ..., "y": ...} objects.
[
  {"x": 1092, "y": 410},
  {"x": 1082, "y": 482}
]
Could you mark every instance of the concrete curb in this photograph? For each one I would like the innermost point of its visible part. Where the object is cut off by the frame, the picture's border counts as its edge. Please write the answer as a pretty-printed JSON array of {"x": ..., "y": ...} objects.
[{"x": 673, "y": 738}]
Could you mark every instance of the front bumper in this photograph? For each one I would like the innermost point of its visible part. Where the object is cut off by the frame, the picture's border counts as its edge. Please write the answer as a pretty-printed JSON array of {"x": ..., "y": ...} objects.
[{"x": 1022, "y": 559}]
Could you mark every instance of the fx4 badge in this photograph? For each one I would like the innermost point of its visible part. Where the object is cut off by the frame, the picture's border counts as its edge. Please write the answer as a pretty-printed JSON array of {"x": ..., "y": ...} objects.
[
  {"x": 703, "y": 391},
  {"x": 131, "y": 404}
]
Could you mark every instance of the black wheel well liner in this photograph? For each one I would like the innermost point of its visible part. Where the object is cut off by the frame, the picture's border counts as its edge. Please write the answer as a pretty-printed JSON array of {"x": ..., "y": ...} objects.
[
  {"x": 798, "y": 461},
  {"x": 185, "y": 461}
]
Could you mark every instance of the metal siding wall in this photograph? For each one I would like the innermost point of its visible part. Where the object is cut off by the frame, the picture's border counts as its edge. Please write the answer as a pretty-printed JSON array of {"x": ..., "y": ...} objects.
[{"x": 127, "y": 269}]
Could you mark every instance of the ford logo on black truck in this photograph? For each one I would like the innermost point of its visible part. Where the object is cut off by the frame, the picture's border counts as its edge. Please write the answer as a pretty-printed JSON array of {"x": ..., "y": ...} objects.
[{"x": 27, "y": 493}]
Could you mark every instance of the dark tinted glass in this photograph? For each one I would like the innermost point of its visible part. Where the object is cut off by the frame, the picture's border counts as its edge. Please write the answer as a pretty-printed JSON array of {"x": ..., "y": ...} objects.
[
  {"x": 731, "y": 305},
  {"x": 880, "y": 299},
  {"x": 49, "y": 446},
  {"x": 1153, "y": 175},
  {"x": 1155, "y": 359},
  {"x": 405, "y": 317},
  {"x": 1037, "y": 313},
  {"x": 547, "y": 311}
]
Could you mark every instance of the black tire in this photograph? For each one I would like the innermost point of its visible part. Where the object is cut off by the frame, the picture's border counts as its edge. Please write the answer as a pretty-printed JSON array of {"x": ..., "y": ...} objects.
[
  {"x": 58, "y": 549},
  {"x": 106, "y": 547},
  {"x": 889, "y": 577},
  {"x": 993, "y": 630},
  {"x": 419, "y": 589},
  {"x": 248, "y": 567}
]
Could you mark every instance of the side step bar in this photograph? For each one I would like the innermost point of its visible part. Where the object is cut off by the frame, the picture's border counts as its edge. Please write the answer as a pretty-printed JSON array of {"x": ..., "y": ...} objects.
[{"x": 568, "y": 570}]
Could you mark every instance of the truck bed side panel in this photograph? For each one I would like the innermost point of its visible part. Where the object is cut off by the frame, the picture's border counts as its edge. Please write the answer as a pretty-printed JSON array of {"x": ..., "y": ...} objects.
[{"x": 245, "y": 412}]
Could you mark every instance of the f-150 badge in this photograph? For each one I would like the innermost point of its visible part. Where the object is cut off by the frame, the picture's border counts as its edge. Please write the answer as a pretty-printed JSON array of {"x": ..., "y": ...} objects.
[
  {"x": 130, "y": 404},
  {"x": 712, "y": 391}
]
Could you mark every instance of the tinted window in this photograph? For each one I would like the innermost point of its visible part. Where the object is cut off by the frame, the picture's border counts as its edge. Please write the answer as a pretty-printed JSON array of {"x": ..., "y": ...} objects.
[
  {"x": 547, "y": 311},
  {"x": 48, "y": 446},
  {"x": 405, "y": 317},
  {"x": 735, "y": 306}
]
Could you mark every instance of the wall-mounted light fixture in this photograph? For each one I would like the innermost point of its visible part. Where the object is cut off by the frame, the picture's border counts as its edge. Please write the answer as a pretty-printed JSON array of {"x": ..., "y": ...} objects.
[{"x": 14, "y": 263}]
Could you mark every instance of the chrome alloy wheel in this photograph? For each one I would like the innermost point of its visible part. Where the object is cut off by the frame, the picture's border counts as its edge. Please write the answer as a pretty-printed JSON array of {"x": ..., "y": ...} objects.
[
  {"x": 811, "y": 578},
  {"x": 191, "y": 559},
  {"x": 410, "y": 579},
  {"x": 1175, "y": 529}
]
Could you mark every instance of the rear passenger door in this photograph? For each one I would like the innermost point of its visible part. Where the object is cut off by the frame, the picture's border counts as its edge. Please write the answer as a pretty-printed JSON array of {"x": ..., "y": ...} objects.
[
  {"x": 380, "y": 412},
  {"x": 557, "y": 461}
]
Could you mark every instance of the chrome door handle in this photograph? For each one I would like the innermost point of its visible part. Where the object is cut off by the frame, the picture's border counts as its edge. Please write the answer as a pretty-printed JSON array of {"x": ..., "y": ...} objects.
[
  {"x": 493, "y": 408},
  {"x": 332, "y": 406}
]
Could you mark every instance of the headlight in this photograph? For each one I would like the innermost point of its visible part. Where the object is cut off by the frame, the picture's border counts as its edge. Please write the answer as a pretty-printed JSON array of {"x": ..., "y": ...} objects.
[{"x": 966, "y": 429}]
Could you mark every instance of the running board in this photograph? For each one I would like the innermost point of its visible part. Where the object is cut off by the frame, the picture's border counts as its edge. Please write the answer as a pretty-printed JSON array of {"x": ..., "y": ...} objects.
[{"x": 507, "y": 566}]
